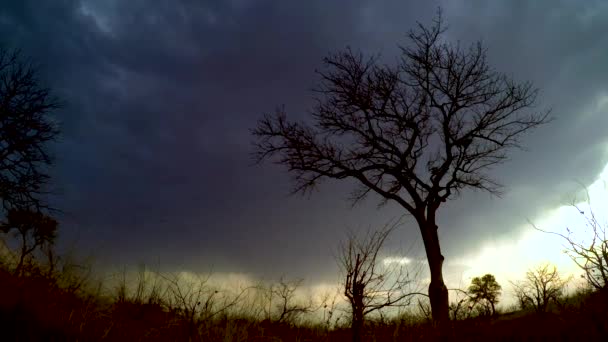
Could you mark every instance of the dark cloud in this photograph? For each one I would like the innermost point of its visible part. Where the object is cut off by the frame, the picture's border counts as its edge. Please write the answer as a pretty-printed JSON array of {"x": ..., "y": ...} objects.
[
  {"x": 560, "y": 47},
  {"x": 154, "y": 161}
]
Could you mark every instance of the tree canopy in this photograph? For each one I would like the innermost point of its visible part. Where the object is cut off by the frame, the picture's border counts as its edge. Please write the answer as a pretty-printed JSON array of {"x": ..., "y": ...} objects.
[
  {"x": 485, "y": 290},
  {"x": 416, "y": 132}
]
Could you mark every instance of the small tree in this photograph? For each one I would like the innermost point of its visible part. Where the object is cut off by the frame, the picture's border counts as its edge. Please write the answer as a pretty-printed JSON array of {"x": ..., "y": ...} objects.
[
  {"x": 25, "y": 129},
  {"x": 542, "y": 286},
  {"x": 197, "y": 300},
  {"x": 33, "y": 228},
  {"x": 368, "y": 285},
  {"x": 289, "y": 308},
  {"x": 280, "y": 302},
  {"x": 485, "y": 290},
  {"x": 461, "y": 306},
  {"x": 417, "y": 133}
]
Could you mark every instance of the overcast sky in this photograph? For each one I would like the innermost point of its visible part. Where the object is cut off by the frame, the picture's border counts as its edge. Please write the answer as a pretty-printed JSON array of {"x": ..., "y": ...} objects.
[{"x": 154, "y": 161}]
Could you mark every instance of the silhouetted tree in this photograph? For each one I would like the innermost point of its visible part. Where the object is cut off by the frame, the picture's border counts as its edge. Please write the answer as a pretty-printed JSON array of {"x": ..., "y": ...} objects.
[
  {"x": 288, "y": 307},
  {"x": 417, "y": 133},
  {"x": 590, "y": 255},
  {"x": 197, "y": 300},
  {"x": 462, "y": 307},
  {"x": 280, "y": 303},
  {"x": 485, "y": 289},
  {"x": 25, "y": 128},
  {"x": 34, "y": 229},
  {"x": 368, "y": 285},
  {"x": 542, "y": 286},
  {"x": 329, "y": 304}
]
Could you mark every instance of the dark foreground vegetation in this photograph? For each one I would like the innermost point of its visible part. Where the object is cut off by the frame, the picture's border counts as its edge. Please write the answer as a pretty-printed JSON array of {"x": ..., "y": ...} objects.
[{"x": 64, "y": 306}]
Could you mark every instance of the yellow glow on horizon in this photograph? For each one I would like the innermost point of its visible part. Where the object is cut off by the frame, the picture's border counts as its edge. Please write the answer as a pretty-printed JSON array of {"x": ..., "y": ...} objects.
[{"x": 510, "y": 259}]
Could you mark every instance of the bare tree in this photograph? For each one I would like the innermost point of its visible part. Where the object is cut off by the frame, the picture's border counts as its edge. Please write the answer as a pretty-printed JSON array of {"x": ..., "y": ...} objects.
[
  {"x": 417, "y": 133},
  {"x": 485, "y": 290},
  {"x": 368, "y": 285},
  {"x": 288, "y": 307},
  {"x": 33, "y": 228},
  {"x": 542, "y": 286},
  {"x": 280, "y": 303},
  {"x": 197, "y": 300},
  {"x": 329, "y": 303},
  {"x": 424, "y": 309},
  {"x": 25, "y": 128},
  {"x": 461, "y": 308},
  {"x": 590, "y": 255}
]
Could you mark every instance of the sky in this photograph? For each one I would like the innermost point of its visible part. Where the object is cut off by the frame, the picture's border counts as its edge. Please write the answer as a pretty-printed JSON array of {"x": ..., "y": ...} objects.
[{"x": 154, "y": 162}]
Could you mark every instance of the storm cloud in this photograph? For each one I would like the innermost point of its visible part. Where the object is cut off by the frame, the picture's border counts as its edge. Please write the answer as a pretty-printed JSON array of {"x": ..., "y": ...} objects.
[{"x": 154, "y": 161}]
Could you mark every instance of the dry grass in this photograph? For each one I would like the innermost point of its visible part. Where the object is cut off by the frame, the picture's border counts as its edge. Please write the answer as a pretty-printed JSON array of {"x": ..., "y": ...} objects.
[{"x": 68, "y": 306}]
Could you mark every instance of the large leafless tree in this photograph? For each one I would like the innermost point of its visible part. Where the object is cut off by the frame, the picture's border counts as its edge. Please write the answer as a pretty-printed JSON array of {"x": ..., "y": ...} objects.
[
  {"x": 25, "y": 129},
  {"x": 417, "y": 132}
]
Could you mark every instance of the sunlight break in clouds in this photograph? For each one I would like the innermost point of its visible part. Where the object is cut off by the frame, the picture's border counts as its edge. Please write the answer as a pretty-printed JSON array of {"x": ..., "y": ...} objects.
[
  {"x": 509, "y": 260},
  {"x": 396, "y": 260}
]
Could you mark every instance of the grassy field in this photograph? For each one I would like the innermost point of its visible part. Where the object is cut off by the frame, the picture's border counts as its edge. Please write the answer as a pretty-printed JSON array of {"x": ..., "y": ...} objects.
[{"x": 68, "y": 306}]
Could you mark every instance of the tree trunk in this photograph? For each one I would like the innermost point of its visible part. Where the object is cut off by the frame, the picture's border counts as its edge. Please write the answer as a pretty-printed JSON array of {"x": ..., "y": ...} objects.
[
  {"x": 24, "y": 252},
  {"x": 438, "y": 292},
  {"x": 357, "y": 325},
  {"x": 20, "y": 265}
]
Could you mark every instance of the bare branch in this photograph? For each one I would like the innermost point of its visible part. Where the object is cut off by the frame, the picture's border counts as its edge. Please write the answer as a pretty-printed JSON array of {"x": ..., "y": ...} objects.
[
  {"x": 25, "y": 129},
  {"x": 590, "y": 256}
]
